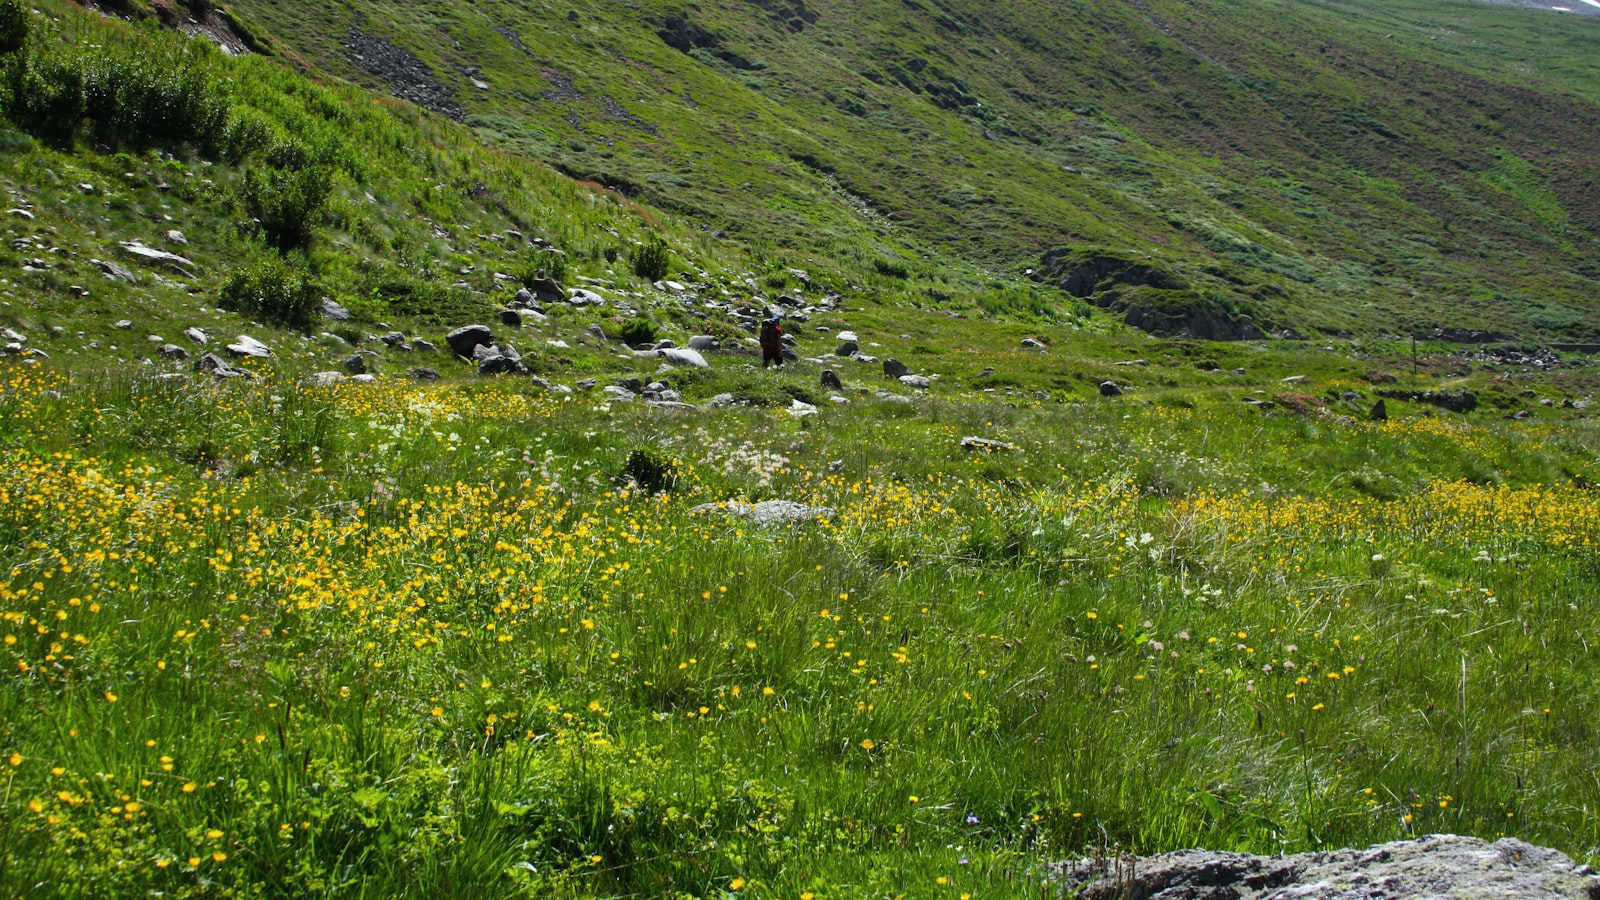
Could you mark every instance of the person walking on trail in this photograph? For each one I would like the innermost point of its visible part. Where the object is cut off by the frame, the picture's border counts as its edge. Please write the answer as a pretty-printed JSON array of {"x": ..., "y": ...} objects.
[{"x": 771, "y": 343}]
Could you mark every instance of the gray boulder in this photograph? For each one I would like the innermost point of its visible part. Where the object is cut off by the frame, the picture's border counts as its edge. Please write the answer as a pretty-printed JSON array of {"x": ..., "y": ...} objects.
[
  {"x": 769, "y": 512},
  {"x": 704, "y": 343},
  {"x": 986, "y": 445},
  {"x": 212, "y": 364},
  {"x": 1110, "y": 389},
  {"x": 356, "y": 365},
  {"x": 1439, "y": 865},
  {"x": 245, "y": 345},
  {"x": 173, "y": 352},
  {"x": 196, "y": 335},
  {"x": 683, "y": 357},
  {"x": 468, "y": 338},
  {"x": 847, "y": 348},
  {"x": 916, "y": 381},
  {"x": 511, "y": 317},
  {"x": 334, "y": 310}
]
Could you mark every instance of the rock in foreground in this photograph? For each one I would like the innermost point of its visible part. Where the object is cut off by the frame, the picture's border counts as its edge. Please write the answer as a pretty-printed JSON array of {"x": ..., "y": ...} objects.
[
  {"x": 770, "y": 512},
  {"x": 1439, "y": 865}
]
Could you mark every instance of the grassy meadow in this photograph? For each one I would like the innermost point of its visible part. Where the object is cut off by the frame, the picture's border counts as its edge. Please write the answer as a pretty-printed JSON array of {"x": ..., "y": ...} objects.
[
  {"x": 447, "y": 635},
  {"x": 392, "y": 639}
]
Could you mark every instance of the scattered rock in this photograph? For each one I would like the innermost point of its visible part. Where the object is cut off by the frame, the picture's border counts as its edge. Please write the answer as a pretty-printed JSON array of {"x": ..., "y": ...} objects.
[
  {"x": 424, "y": 375},
  {"x": 464, "y": 340},
  {"x": 1381, "y": 378},
  {"x": 894, "y": 368},
  {"x": 682, "y": 357},
  {"x": 916, "y": 381},
  {"x": 356, "y": 365},
  {"x": 174, "y": 236},
  {"x": 1439, "y": 865},
  {"x": 423, "y": 346},
  {"x": 245, "y": 345},
  {"x": 196, "y": 335},
  {"x": 800, "y": 409},
  {"x": 112, "y": 271},
  {"x": 1380, "y": 412},
  {"x": 1460, "y": 401},
  {"x": 704, "y": 343},
  {"x": 847, "y": 348},
  {"x": 546, "y": 288},
  {"x": 333, "y": 310},
  {"x": 1110, "y": 389},
  {"x": 619, "y": 393},
  {"x": 770, "y": 512},
  {"x": 830, "y": 380},
  {"x": 182, "y": 265},
  {"x": 987, "y": 445},
  {"x": 123, "y": 323},
  {"x": 511, "y": 317},
  {"x": 173, "y": 352},
  {"x": 212, "y": 364},
  {"x": 325, "y": 379},
  {"x": 848, "y": 336},
  {"x": 1033, "y": 344}
]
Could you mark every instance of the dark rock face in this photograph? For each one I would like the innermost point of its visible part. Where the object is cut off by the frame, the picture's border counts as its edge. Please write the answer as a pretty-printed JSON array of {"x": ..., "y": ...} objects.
[
  {"x": 830, "y": 380},
  {"x": 1110, "y": 389},
  {"x": 1454, "y": 401},
  {"x": 468, "y": 338},
  {"x": 894, "y": 368},
  {"x": 1086, "y": 274},
  {"x": 1149, "y": 297},
  {"x": 1433, "y": 866}
]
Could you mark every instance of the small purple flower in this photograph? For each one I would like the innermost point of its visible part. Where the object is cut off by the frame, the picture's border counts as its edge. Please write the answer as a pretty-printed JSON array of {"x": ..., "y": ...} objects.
[{"x": 972, "y": 819}]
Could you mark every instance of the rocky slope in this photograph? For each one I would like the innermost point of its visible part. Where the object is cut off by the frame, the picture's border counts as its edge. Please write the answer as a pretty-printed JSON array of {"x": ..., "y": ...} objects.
[{"x": 1433, "y": 866}]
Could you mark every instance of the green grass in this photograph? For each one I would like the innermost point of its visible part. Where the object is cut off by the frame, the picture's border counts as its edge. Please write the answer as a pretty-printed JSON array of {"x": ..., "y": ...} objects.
[
  {"x": 403, "y": 639},
  {"x": 258, "y": 637}
]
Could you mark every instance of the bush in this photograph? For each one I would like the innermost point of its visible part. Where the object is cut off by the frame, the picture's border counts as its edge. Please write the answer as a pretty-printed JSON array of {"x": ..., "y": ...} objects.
[
  {"x": 272, "y": 291},
  {"x": 155, "y": 96},
  {"x": 286, "y": 204},
  {"x": 652, "y": 259},
  {"x": 634, "y": 332},
  {"x": 13, "y": 25},
  {"x": 891, "y": 269},
  {"x": 44, "y": 96},
  {"x": 652, "y": 472},
  {"x": 553, "y": 265}
]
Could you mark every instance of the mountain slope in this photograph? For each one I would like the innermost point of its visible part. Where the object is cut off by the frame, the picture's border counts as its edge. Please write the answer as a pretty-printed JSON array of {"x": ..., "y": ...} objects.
[{"x": 1320, "y": 166}]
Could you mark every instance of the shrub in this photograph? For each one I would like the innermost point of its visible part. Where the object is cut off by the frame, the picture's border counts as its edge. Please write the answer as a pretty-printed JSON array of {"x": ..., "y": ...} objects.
[
  {"x": 553, "y": 265},
  {"x": 44, "y": 96},
  {"x": 13, "y": 25},
  {"x": 634, "y": 332},
  {"x": 286, "y": 204},
  {"x": 155, "y": 96},
  {"x": 891, "y": 269},
  {"x": 272, "y": 291},
  {"x": 652, "y": 472},
  {"x": 652, "y": 259}
]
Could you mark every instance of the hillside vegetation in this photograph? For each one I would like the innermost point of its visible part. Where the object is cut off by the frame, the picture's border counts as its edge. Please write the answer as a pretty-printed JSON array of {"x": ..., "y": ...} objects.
[
  {"x": 307, "y": 590},
  {"x": 1365, "y": 167}
]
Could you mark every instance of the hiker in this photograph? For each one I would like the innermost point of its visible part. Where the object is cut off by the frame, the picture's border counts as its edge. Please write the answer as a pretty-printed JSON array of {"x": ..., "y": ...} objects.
[{"x": 771, "y": 342}]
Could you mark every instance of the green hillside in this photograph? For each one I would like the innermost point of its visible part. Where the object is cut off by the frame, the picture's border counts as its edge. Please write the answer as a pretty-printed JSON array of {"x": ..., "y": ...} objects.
[
  {"x": 1362, "y": 167},
  {"x": 308, "y": 590}
]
